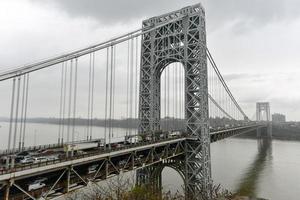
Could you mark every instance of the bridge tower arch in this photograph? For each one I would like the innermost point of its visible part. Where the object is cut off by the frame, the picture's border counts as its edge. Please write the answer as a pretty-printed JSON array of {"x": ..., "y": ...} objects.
[
  {"x": 179, "y": 36},
  {"x": 263, "y": 108}
]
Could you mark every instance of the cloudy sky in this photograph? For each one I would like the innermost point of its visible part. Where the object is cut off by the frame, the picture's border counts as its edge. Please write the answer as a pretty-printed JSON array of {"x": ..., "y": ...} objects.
[{"x": 255, "y": 43}]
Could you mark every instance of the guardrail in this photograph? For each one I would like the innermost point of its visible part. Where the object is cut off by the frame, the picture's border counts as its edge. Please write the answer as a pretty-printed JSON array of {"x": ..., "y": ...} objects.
[{"x": 46, "y": 146}]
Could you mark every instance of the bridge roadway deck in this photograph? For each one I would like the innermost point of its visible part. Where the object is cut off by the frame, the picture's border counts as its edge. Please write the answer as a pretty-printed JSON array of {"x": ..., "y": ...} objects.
[
  {"x": 83, "y": 160},
  {"x": 39, "y": 167}
]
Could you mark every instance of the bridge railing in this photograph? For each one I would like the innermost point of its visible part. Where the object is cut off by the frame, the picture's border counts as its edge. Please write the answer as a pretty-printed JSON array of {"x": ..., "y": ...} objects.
[{"x": 45, "y": 146}]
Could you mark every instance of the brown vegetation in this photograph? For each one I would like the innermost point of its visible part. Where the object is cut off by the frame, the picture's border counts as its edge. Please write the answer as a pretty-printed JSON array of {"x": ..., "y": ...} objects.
[{"x": 125, "y": 189}]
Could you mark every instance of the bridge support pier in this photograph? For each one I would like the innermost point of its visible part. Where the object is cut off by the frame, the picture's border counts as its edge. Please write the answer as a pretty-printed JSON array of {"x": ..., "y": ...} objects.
[
  {"x": 6, "y": 192},
  {"x": 265, "y": 131},
  {"x": 151, "y": 177},
  {"x": 7, "y": 188},
  {"x": 269, "y": 130},
  {"x": 67, "y": 180},
  {"x": 258, "y": 132}
]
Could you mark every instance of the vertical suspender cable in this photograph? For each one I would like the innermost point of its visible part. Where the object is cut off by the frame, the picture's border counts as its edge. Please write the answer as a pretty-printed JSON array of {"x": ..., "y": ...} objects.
[
  {"x": 89, "y": 99},
  {"x": 214, "y": 95},
  {"x": 16, "y": 119},
  {"x": 179, "y": 92},
  {"x": 183, "y": 95},
  {"x": 211, "y": 94},
  {"x": 168, "y": 97},
  {"x": 114, "y": 89},
  {"x": 182, "y": 91},
  {"x": 165, "y": 89},
  {"x": 218, "y": 95},
  {"x": 22, "y": 112},
  {"x": 131, "y": 87},
  {"x": 210, "y": 91},
  {"x": 61, "y": 102},
  {"x": 70, "y": 101},
  {"x": 127, "y": 102},
  {"x": 92, "y": 96},
  {"x": 75, "y": 100},
  {"x": 176, "y": 94},
  {"x": 106, "y": 95},
  {"x": 11, "y": 119},
  {"x": 64, "y": 103},
  {"x": 165, "y": 98},
  {"x": 110, "y": 97},
  {"x": 136, "y": 81},
  {"x": 25, "y": 112}
]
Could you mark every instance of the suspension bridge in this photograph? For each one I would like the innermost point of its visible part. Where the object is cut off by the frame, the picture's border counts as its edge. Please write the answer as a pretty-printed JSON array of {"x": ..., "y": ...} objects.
[{"x": 161, "y": 75}]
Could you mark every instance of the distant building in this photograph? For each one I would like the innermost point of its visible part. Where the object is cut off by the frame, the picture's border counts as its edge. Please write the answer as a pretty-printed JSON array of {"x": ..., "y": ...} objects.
[{"x": 278, "y": 118}]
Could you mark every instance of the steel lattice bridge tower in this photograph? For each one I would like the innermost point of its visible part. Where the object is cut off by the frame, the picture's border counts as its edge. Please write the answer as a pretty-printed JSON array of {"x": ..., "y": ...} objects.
[
  {"x": 182, "y": 39},
  {"x": 211, "y": 113}
]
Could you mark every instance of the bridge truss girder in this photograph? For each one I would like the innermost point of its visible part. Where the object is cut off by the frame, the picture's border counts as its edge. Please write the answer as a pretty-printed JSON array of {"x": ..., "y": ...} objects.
[
  {"x": 182, "y": 39},
  {"x": 65, "y": 178}
]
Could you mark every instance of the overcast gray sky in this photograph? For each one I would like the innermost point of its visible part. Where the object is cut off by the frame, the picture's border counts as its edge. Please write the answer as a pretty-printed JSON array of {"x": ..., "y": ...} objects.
[{"x": 255, "y": 43}]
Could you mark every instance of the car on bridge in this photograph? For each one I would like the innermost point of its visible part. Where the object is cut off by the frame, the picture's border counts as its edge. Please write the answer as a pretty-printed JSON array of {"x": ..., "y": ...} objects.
[
  {"x": 27, "y": 160},
  {"x": 133, "y": 139},
  {"x": 174, "y": 134},
  {"x": 92, "y": 168},
  {"x": 37, "y": 184},
  {"x": 40, "y": 159}
]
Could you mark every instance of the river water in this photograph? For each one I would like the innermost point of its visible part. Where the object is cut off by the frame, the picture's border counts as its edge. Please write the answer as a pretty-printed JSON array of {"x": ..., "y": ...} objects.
[{"x": 268, "y": 170}]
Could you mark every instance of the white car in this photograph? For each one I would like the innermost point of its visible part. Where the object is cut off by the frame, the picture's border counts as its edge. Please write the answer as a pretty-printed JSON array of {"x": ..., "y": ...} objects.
[
  {"x": 36, "y": 185},
  {"x": 27, "y": 160},
  {"x": 92, "y": 169},
  {"x": 174, "y": 134},
  {"x": 52, "y": 158},
  {"x": 40, "y": 159}
]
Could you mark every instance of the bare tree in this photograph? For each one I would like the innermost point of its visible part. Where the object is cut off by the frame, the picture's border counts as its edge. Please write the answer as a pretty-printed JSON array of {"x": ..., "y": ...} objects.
[{"x": 121, "y": 188}]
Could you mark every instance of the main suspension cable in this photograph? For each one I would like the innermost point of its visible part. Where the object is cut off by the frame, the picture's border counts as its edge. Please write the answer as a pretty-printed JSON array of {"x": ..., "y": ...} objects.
[{"x": 211, "y": 60}]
